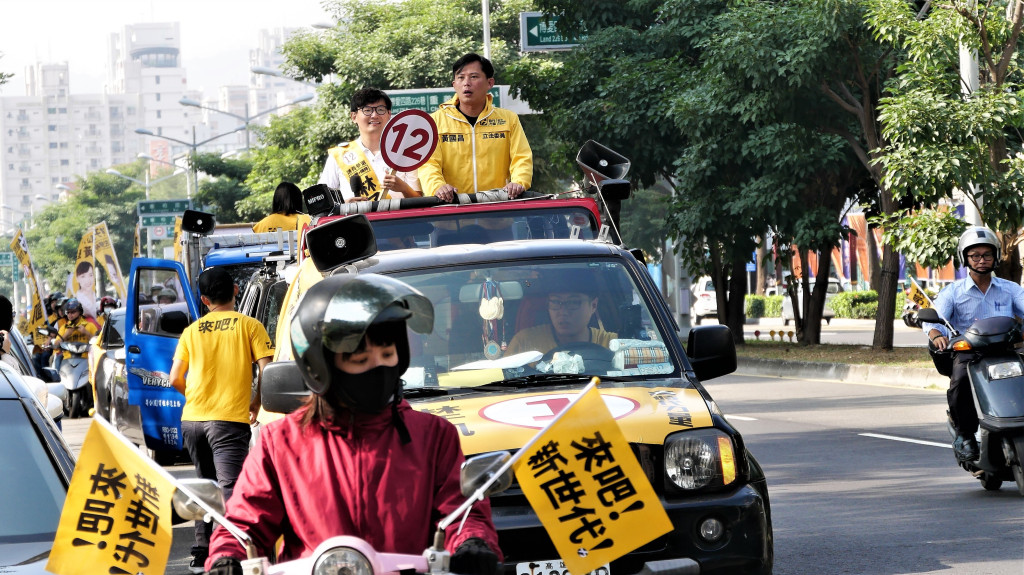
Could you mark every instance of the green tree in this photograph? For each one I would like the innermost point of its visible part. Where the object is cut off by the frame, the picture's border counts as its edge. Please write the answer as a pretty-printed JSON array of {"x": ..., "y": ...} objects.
[{"x": 941, "y": 140}]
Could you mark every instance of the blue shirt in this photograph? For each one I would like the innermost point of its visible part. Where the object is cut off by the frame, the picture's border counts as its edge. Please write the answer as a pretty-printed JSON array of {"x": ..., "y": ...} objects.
[{"x": 962, "y": 303}]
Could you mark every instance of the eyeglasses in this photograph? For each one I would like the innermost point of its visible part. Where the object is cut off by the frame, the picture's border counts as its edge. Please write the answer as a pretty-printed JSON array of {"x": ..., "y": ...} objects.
[
  {"x": 981, "y": 257},
  {"x": 567, "y": 304},
  {"x": 369, "y": 110}
]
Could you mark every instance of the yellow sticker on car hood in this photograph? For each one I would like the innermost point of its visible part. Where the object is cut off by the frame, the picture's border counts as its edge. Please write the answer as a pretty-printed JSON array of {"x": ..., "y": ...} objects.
[{"x": 507, "y": 421}]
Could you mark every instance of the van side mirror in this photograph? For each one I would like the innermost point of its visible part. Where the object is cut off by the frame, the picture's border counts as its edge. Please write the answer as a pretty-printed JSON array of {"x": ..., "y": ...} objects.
[{"x": 712, "y": 351}]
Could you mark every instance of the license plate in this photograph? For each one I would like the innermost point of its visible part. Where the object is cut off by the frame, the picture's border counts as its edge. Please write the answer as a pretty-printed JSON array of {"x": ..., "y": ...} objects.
[{"x": 554, "y": 567}]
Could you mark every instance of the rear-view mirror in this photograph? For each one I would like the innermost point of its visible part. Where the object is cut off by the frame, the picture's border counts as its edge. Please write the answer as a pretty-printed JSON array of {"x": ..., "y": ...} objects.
[
  {"x": 712, "y": 351},
  {"x": 282, "y": 389},
  {"x": 478, "y": 470}
]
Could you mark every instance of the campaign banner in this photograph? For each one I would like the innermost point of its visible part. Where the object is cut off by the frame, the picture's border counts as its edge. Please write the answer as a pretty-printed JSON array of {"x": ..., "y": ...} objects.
[
  {"x": 83, "y": 279},
  {"x": 586, "y": 486},
  {"x": 117, "y": 514},
  {"x": 105, "y": 255},
  {"x": 137, "y": 245},
  {"x": 918, "y": 296},
  {"x": 37, "y": 314}
]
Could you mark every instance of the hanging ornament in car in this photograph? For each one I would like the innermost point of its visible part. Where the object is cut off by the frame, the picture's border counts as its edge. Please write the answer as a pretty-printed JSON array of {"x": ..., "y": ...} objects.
[{"x": 492, "y": 310}]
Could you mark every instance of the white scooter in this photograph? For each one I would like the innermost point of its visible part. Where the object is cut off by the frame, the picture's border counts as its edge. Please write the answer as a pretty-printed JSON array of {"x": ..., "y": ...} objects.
[
  {"x": 482, "y": 475},
  {"x": 74, "y": 376}
]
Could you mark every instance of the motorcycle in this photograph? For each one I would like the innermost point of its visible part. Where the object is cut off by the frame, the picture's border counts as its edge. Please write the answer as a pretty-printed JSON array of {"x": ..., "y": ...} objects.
[
  {"x": 74, "y": 376},
  {"x": 481, "y": 476},
  {"x": 997, "y": 380}
]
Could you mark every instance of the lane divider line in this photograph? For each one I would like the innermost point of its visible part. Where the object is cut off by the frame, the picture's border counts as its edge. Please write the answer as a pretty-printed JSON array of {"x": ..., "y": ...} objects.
[
  {"x": 741, "y": 418},
  {"x": 906, "y": 440}
]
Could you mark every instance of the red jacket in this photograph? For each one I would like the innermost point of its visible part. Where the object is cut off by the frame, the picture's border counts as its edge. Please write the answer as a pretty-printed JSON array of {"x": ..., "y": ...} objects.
[{"x": 353, "y": 477}]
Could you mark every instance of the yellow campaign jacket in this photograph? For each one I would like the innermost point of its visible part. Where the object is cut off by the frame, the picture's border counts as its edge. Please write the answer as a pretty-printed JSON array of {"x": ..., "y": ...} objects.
[{"x": 480, "y": 157}]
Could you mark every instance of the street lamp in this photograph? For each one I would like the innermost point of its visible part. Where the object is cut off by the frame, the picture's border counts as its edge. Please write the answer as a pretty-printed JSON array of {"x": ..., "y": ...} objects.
[
  {"x": 188, "y": 183},
  {"x": 246, "y": 119},
  {"x": 266, "y": 71},
  {"x": 32, "y": 209},
  {"x": 146, "y": 184},
  {"x": 193, "y": 145}
]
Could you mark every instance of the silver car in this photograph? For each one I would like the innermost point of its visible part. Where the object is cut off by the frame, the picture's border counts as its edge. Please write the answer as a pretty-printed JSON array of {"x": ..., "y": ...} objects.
[{"x": 827, "y": 314}]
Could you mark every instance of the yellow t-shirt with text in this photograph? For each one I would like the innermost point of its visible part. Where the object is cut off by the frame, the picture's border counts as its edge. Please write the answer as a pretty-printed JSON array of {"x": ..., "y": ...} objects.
[{"x": 218, "y": 351}]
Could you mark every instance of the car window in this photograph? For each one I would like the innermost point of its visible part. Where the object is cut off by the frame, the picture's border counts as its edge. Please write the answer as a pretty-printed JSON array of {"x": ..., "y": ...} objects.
[
  {"x": 832, "y": 288},
  {"x": 272, "y": 309},
  {"x": 113, "y": 330},
  {"x": 161, "y": 307},
  {"x": 34, "y": 490},
  {"x": 508, "y": 320},
  {"x": 709, "y": 285},
  {"x": 483, "y": 228}
]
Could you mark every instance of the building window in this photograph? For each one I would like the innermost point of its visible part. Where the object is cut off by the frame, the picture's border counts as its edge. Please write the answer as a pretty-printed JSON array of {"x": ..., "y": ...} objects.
[
  {"x": 62, "y": 110},
  {"x": 65, "y": 162},
  {"x": 157, "y": 79},
  {"x": 52, "y": 127},
  {"x": 158, "y": 112},
  {"x": 63, "y": 145},
  {"x": 51, "y": 110},
  {"x": 54, "y": 180},
  {"x": 158, "y": 96},
  {"x": 53, "y": 145}
]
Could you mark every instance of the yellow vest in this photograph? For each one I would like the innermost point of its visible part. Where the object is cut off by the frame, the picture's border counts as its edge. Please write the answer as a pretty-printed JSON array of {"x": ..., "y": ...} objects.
[{"x": 352, "y": 161}]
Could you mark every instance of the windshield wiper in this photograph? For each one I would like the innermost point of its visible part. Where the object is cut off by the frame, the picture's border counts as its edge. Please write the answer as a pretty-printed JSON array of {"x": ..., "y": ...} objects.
[
  {"x": 545, "y": 379},
  {"x": 428, "y": 391}
]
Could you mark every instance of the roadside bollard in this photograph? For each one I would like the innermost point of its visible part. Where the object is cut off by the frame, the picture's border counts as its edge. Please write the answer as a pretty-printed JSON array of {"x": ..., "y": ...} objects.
[
  {"x": 772, "y": 333},
  {"x": 757, "y": 334},
  {"x": 790, "y": 334}
]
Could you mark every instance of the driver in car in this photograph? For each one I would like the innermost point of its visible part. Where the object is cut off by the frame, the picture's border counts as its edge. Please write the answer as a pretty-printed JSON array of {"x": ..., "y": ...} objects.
[{"x": 570, "y": 311}]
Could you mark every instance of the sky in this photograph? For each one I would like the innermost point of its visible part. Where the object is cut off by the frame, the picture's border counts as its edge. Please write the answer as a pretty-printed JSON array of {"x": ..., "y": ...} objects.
[{"x": 216, "y": 35}]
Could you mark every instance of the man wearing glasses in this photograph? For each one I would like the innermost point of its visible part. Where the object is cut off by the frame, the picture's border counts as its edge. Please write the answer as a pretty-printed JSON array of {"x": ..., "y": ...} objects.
[
  {"x": 570, "y": 312},
  {"x": 356, "y": 169},
  {"x": 977, "y": 296},
  {"x": 480, "y": 147}
]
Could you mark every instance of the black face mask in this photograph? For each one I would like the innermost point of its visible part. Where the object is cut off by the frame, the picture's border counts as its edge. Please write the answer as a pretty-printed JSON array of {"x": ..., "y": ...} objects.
[{"x": 367, "y": 392}]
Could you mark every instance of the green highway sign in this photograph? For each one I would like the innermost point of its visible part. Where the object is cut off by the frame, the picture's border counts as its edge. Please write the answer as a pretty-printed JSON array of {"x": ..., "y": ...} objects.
[
  {"x": 158, "y": 221},
  {"x": 428, "y": 99},
  {"x": 163, "y": 207},
  {"x": 538, "y": 33},
  {"x": 6, "y": 258}
]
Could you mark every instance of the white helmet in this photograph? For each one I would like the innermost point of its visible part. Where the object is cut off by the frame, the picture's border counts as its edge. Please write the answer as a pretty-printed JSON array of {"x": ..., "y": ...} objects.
[{"x": 977, "y": 236}]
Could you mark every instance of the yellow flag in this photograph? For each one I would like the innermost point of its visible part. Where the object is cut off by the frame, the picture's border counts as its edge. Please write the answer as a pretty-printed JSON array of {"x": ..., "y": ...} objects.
[
  {"x": 106, "y": 256},
  {"x": 137, "y": 245},
  {"x": 37, "y": 315},
  {"x": 588, "y": 489},
  {"x": 83, "y": 280},
  {"x": 177, "y": 239},
  {"x": 918, "y": 296},
  {"x": 117, "y": 514}
]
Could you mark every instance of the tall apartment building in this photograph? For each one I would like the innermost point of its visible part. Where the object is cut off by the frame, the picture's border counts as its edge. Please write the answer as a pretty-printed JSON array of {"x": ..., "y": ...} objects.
[
  {"x": 267, "y": 91},
  {"x": 49, "y": 136}
]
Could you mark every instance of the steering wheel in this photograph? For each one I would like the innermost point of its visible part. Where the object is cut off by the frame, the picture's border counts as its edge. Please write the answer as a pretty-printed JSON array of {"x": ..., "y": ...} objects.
[{"x": 596, "y": 358}]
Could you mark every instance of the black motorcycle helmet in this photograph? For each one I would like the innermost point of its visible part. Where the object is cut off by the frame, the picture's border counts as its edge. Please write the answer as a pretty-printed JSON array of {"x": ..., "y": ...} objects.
[
  {"x": 335, "y": 313},
  {"x": 72, "y": 305}
]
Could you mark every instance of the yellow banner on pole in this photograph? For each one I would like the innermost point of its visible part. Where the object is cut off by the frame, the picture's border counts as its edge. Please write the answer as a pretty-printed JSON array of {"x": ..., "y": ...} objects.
[
  {"x": 137, "y": 246},
  {"x": 108, "y": 258},
  {"x": 918, "y": 296},
  {"x": 177, "y": 239},
  {"x": 117, "y": 514},
  {"x": 587, "y": 488},
  {"x": 37, "y": 315},
  {"x": 83, "y": 280}
]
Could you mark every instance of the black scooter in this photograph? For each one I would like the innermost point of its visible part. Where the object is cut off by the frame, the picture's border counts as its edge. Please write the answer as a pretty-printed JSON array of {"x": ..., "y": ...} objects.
[{"x": 997, "y": 380}]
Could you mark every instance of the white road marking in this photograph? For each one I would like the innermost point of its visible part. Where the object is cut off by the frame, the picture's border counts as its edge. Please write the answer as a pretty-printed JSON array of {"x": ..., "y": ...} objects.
[
  {"x": 741, "y": 417},
  {"x": 907, "y": 440}
]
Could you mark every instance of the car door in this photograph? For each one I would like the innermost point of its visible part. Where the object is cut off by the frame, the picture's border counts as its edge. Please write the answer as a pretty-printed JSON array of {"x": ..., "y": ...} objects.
[{"x": 151, "y": 335}]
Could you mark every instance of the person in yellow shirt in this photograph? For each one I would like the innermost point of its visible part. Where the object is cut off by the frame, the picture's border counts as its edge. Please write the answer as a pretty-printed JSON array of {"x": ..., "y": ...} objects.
[
  {"x": 480, "y": 147},
  {"x": 570, "y": 309},
  {"x": 217, "y": 353},
  {"x": 286, "y": 215},
  {"x": 77, "y": 328}
]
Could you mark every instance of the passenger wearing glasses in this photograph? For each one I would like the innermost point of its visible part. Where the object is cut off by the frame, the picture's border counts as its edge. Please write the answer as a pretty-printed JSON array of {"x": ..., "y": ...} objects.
[
  {"x": 571, "y": 307},
  {"x": 977, "y": 296},
  {"x": 356, "y": 168}
]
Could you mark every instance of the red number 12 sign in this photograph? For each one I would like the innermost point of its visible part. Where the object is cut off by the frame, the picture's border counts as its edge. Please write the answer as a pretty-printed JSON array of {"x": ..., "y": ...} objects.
[{"x": 408, "y": 140}]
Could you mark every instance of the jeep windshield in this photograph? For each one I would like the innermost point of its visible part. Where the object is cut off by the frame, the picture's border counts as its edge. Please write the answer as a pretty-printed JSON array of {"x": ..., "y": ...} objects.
[{"x": 535, "y": 323}]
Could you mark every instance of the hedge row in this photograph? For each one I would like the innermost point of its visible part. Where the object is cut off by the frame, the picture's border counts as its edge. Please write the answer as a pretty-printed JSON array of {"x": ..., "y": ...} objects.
[{"x": 850, "y": 304}]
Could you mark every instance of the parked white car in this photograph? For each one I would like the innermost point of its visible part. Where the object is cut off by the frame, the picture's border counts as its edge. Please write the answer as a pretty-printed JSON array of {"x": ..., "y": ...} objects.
[
  {"x": 705, "y": 303},
  {"x": 827, "y": 314}
]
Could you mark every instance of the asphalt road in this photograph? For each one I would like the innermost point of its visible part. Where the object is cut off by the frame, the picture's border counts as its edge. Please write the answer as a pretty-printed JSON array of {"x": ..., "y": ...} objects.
[{"x": 862, "y": 480}]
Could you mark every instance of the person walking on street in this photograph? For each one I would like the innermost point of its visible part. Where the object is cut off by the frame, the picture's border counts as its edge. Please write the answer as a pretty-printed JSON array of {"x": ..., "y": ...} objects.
[
  {"x": 357, "y": 169},
  {"x": 480, "y": 147},
  {"x": 979, "y": 295},
  {"x": 213, "y": 368}
]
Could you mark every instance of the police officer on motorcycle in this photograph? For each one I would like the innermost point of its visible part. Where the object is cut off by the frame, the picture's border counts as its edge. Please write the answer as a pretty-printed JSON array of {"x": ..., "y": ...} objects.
[
  {"x": 356, "y": 459},
  {"x": 979, "y": 295}
]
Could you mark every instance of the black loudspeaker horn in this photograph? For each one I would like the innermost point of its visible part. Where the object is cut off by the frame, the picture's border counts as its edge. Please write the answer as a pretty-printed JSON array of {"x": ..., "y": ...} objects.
[
  {"x": 319, "y": 200},
  {"x": 341, "y": 241},
  {"x": 198, "y": 222},
  {"x": 600, "y": 163}
]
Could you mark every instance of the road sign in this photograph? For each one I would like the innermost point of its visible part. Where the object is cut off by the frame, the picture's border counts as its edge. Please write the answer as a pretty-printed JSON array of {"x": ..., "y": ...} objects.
[
  {"x": 163, "y": 207},
  {"x": 428, "y": 99},
  {"x": 161, "y": 232},
  {"x": 6, "y": 258},
  {"x": 538, "y": 33},
  {"x": 408, "y": 140},
  {"x": 157, "y": 221}
]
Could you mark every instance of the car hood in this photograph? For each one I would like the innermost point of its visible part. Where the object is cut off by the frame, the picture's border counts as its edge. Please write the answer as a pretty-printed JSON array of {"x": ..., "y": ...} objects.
[
  {"x": 24, "y": 557},
  {"x": 506, "y": 421}
]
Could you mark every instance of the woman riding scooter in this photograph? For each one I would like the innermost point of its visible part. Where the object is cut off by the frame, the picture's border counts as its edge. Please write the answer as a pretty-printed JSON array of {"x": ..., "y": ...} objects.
[{"x": 355, "y": 459}]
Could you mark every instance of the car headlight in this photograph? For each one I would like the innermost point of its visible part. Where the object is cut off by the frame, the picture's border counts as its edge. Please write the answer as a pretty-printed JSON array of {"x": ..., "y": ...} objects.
[
  {"x": 342, "y": 561},
  {"x": 699, "y": 459},
  {"x": 1004, "y": 370}
]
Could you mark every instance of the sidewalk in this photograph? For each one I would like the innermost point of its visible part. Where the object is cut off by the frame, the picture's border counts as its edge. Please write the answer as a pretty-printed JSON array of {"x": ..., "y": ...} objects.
[{"x": 877, "y": 374}]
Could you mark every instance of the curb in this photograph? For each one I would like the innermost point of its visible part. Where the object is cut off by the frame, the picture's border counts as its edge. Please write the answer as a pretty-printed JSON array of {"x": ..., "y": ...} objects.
[{"x": 919, "y": 377}]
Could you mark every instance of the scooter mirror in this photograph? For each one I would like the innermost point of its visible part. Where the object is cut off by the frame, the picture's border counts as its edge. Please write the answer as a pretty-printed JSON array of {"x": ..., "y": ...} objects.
[
  {"x": 478, "y": 470},
  {"x": 208, "y": 490}
]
